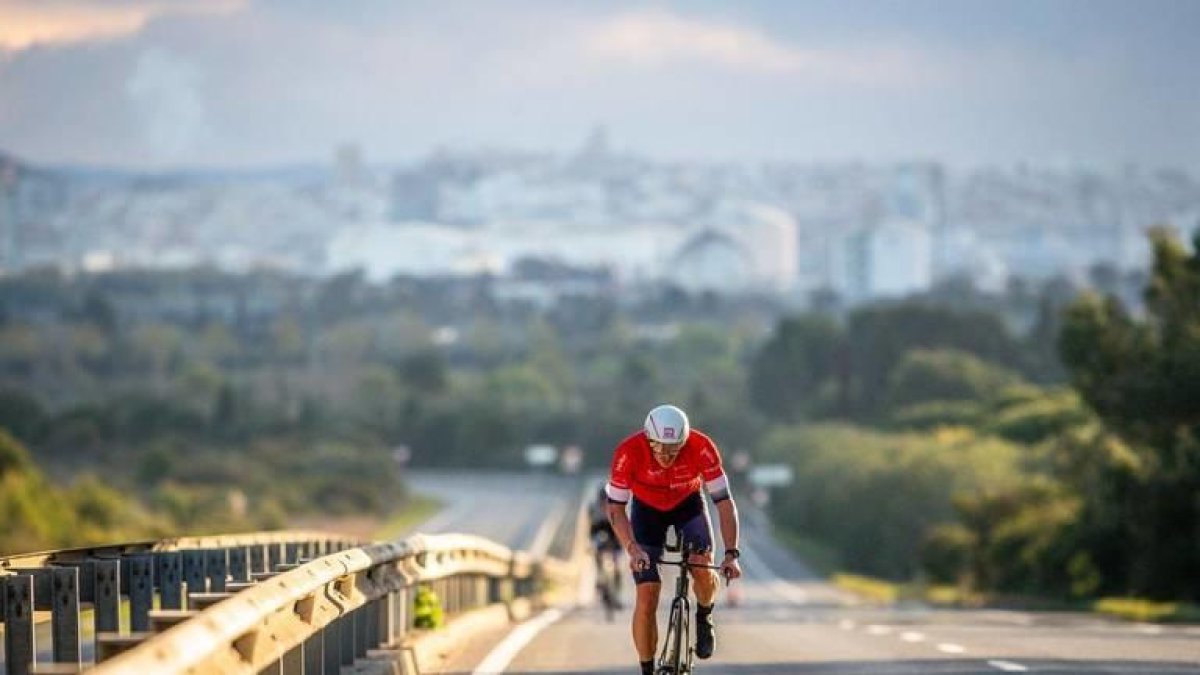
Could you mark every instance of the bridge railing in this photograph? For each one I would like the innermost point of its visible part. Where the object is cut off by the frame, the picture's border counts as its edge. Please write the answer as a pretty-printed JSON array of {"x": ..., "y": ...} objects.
[
  {"x": 318, "y": 608},
  {"x": 130, "y": 579}
]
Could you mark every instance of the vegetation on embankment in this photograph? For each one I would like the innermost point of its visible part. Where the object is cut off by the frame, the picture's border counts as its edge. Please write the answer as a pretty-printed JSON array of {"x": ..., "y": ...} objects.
[
  {"x": 944, "y": 461},
  {"x": 929, "y": 438}
]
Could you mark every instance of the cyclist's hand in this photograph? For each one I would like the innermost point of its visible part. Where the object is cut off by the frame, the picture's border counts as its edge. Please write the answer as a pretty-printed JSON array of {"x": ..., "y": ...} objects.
[
  {"x": 638, "y": 559},
  {"x": 730, "y": 569}
]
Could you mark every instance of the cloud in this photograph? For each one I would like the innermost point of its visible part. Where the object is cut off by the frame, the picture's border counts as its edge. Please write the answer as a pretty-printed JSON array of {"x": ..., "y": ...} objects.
[
  {"x": 659, "y": 38},
  {"x": 288, "y": 80},
  {"x": 24, "y": 23}
]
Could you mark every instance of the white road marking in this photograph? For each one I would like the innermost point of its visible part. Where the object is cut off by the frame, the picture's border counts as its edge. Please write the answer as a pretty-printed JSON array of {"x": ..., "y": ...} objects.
[
  {"x": 1008, "y": 666},
  {"x": 776, "y": 585},
  {"x": 912, "y": 636},
  {"x": 545, "y": 533},
  {"x": 1149, "y": 629},
  {"x": 876, "y": 629},
  {"x": 950, "y": 648},
  {"x": 497, "y": 661},
  {"x": 846, "y": 624}
]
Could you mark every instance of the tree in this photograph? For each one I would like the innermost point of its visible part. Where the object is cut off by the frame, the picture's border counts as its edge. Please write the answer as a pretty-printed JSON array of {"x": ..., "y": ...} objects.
[
  {"x": 1142, "y": 377},
  {"x": 946, "y": 375},
  {"x": 787, "y": 374},
  {"x": 21, "y": 414},
  {"x": 879, "y": 337}
]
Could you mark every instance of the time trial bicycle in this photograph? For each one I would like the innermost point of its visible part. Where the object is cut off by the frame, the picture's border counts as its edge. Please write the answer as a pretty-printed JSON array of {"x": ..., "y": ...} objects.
[{"x": 678, "y": 654}]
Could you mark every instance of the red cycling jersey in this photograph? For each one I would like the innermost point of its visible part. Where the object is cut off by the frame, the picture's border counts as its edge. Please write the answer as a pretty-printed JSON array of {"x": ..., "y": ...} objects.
[{"x": 636, "y": 472}]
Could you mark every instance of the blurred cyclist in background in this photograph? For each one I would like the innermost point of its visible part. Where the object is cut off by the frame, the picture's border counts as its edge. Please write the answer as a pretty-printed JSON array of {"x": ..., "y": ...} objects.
[{"x": 607, "y": 551}]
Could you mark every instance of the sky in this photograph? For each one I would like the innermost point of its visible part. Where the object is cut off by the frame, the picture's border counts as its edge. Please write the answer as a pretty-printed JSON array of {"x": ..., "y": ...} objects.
[{"x": 156, "y": 84}]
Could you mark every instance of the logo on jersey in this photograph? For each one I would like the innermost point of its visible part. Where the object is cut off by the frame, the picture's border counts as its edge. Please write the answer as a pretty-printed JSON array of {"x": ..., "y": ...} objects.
[{"x": 668, "y": 432}]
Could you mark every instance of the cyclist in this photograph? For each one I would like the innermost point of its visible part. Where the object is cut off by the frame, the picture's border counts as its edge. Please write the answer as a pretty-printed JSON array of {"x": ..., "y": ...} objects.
[
  {"x": 659, "y": 472},
  {"x": 606, "y": 548}
]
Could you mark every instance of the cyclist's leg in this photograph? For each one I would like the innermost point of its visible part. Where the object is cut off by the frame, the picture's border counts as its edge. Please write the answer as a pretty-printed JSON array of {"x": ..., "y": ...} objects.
[
  {"x": 696, "y": 531},
  {"x": 649, "y": 531}
]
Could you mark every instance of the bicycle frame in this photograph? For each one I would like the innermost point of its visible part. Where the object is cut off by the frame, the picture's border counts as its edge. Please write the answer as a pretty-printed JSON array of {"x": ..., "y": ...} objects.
[{"x": 678, "y": 656}]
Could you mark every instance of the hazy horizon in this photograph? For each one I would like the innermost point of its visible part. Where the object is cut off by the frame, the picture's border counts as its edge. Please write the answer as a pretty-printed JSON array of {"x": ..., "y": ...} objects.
[{"x": 149, "y": 85}]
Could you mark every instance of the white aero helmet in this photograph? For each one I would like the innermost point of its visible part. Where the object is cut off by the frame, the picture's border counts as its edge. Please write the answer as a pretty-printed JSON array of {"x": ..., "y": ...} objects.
[{"x": 667, "y": 424}]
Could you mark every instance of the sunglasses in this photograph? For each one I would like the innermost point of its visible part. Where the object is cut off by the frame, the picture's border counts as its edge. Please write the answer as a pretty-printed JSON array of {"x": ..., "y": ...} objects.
[{"x": 660, "y": 448}]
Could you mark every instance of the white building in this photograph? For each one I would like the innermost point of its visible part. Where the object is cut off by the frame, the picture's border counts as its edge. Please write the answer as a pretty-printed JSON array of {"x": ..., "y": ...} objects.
[
  {"x": 744, "y": 246},
  {"x": 890, "y": 259}
]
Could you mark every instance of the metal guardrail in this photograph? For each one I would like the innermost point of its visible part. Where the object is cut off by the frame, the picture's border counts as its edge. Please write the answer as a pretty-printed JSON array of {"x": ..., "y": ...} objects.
[
  {"x": 334, "y": 611},
  {"x": 286, "y": 614},
  {"x": 139, "y": 575}
]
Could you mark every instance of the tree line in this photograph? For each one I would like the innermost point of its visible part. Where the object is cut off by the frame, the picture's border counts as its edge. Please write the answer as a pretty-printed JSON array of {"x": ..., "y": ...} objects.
[
  {"x": 930, "y": 444},
  {"x": 934, "y": 437}
]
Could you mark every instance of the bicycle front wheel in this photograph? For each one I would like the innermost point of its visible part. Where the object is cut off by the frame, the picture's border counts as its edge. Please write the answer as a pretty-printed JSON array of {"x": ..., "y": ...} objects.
[{"x": 676, "y": 645}]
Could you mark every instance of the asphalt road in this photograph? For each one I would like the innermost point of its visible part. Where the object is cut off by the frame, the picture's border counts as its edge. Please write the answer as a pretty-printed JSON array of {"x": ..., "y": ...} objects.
[
  {"x": 788, "y": 621},
  {"x": 520, "y": 510}
]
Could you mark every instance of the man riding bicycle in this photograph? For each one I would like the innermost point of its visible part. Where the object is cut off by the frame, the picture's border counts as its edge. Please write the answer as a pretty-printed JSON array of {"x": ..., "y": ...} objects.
[
  {"x": 660, "y": 473},
  {"x": 606, "y": 548}
]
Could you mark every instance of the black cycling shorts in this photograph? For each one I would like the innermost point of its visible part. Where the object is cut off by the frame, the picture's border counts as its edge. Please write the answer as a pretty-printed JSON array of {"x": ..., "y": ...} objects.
[{"x": 690, "y": 520}]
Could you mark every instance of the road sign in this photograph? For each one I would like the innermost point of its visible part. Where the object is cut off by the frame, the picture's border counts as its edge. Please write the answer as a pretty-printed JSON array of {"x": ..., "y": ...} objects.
[
  {"x": 540, "y": 455},
  {"x": 770, "y": 475}
]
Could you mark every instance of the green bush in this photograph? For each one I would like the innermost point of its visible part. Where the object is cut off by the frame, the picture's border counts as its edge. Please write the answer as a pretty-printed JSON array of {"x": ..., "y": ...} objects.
[
  {"x": 934, "y": 414},
  {"x": 874, "y": 496},
  {"x": 946, "y": 375},
  {"x": 427, "y": 609},
  {"x": 1036, "y": 420}
]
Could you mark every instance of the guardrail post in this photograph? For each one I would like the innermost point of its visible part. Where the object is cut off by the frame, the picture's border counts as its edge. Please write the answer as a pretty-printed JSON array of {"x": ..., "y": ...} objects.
[
  {"x": 19, "y": 648},
  {"x": 193, "y": 571},
  {"x": 274, "y": 556},
  {"x": 170, "y": 580},
  {"x": 331, "y": 638},
  {"x": 239, "y": 564},
  {"x": 383, "y": 619},
  {"x": 217, "y": 568},
  {"x": 346, "y": 648},
  {"x": 64, "y": 615},
  {"x": 107, "y": 598},
  {"x": 362, "y": 629},
  {"x": 258, "y": 559},
  {"x": 141, "y": 591},
  {"x": 314, "y": 655}
]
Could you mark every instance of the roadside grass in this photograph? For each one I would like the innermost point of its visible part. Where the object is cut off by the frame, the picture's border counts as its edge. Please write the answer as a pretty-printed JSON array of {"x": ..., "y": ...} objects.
[
  {"x": 1130, "y": 609},
  {"x": 417, "y": 510},
  {"x": 826, "y": 562},
  {"x": 1140, "y": 609}
]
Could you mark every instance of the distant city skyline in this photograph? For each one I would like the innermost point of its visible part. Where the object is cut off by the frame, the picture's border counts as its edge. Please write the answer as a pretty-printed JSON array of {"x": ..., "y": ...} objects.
[{"x": 159, "y": 84}]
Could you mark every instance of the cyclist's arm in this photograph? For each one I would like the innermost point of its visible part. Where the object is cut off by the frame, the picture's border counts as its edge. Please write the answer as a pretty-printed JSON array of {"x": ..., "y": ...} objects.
[
  {"x": 620, "y": 524},
  {"x": 728, "y": 515}
]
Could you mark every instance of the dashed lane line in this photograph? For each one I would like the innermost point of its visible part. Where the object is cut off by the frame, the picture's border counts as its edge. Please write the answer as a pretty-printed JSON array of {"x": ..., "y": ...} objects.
[
  {"x": 912, "y": 636},
  {"x": 1008, "y": 666},
  {"x": 950, "y": 648},
  {"x": 498, "y": 659}
]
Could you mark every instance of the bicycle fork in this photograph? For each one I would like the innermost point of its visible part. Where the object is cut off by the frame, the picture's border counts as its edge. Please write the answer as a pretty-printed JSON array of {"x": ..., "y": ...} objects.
[{"x": 677, "y": 652}]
